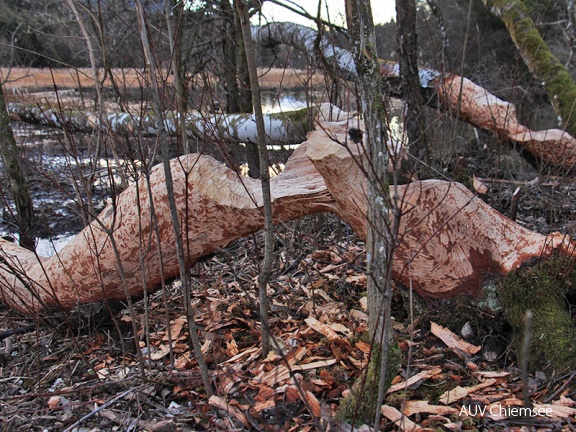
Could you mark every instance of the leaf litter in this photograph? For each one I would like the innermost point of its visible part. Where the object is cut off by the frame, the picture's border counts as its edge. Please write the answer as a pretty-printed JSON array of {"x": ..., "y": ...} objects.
[{"x": 65, "y": 378}]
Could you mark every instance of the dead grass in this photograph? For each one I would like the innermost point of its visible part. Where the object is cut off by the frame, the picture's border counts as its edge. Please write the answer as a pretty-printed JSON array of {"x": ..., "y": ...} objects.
[
  {"x": 18, "y": 79},
  {"x": 289, "y": 78},
  {"x": 29, "y": 78}
]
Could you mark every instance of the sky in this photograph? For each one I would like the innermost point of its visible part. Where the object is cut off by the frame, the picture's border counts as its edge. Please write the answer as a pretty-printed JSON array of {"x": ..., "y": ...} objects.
[{"x": 383, "y": 11}]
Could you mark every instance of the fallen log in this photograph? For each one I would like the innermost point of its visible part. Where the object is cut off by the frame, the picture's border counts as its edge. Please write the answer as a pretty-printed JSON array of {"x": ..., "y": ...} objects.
[
  {"x": 449, "y": 237},
  {"x": 116, "y": 255},
  {"x": 452, "y": 93},
  {"x": 281, "y": 128},
  {"x": 455, "y": 94}
]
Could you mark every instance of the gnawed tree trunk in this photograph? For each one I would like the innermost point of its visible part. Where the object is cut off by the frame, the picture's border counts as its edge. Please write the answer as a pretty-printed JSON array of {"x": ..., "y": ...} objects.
[
  {"x": 449, "y": 239},
  {"x": 452, "y": 93},
  {"x": 216, "y": 205}
]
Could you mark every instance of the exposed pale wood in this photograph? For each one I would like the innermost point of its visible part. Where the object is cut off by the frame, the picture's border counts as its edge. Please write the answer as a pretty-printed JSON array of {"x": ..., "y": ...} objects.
[
  {"x": 399, "y": 419},
  {"x": 215, "y": 204},
  {"x": 449, "y": 238},
  {"x": 452, "y": 340}
]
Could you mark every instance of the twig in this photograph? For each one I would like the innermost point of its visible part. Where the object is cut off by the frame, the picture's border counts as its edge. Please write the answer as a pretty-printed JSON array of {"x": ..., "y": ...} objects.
[
  {"x": 514, "y": 203},
  {"x": 90, "y": 414},
  {"x": 7, "y": 333},
  {"x": 525, "y": 352},
  {"x": 562, "y": 387}
]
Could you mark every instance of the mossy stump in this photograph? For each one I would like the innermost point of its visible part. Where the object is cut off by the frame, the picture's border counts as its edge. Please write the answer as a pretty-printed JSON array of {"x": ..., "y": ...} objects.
[{"x": 544, "y": 289}]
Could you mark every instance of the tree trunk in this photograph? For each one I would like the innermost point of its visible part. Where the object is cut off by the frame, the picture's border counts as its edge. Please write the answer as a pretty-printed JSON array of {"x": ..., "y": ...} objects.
[
  {"x": 166, "y": 150},
  {"x": 14, "y": 170},
  {"x": 380, "y": 233},
  {"x": 413, "y": 100},
  {"x": 264, "y": 162}
]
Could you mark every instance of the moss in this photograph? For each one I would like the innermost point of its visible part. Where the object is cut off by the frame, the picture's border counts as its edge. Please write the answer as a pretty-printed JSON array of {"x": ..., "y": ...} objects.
[
  {"x": 296, "y": 116},
  {"x": 361, "y": 403},
  {"x": 300, "y": 122},
  {"x": 542, "y": 289}
]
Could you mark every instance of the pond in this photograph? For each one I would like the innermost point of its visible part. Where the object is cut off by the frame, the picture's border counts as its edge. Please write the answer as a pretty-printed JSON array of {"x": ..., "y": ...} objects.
[{"x": 54, "y": 168}]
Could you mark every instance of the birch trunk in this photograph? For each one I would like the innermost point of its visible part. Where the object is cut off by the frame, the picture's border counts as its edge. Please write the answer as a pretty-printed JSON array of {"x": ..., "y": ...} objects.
[{"x": 284, "y": 128}]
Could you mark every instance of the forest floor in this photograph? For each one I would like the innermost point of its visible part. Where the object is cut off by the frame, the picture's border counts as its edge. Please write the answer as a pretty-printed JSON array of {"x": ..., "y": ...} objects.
[{"x": 91, "y": 372}]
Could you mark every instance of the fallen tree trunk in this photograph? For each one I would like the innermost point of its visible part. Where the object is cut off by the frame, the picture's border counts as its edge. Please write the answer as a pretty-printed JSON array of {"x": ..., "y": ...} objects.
[
  {"x": 116, "y": 255},
  {"x": 283, "y": 128},
  {"x": 452, "y": 93},
  {"x": 449, "y": 237}
]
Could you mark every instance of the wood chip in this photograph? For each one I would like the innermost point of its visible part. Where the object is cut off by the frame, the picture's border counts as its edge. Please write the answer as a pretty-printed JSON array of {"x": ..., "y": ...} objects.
[
  {"x": 415, "y": 407},
  {"x": 458, "y": 392},
  {"x": 414, "y": 379},
  {"x": 452, "y": 340},
  {"x": 559, "y": 411},
  {"x": 491, "y": 374},
  {"x": 262, "y": 405},
  {"x": 316, "y": 325},
  {"x": 399, "y": 419}
]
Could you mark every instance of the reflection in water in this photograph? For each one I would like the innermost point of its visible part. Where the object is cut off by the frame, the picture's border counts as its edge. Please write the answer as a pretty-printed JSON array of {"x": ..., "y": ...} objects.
[{"x": 273, "y": 102}]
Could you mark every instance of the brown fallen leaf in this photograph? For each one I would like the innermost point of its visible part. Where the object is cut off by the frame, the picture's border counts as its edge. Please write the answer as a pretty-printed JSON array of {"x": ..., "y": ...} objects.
[
  {"x": 220, "y": 403},
  {"x": 160, "y": 352},
  {"x": 452, "y": 340},
  {"x": 311, "y": 403},
  {"x": 175, "y": 328}
]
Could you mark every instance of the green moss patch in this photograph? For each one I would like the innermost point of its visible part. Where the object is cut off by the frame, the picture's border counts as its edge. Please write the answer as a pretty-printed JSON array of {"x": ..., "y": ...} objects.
[{"x": 542, "y": 289}]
